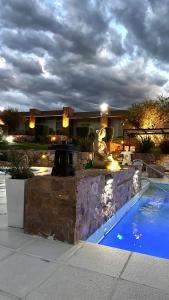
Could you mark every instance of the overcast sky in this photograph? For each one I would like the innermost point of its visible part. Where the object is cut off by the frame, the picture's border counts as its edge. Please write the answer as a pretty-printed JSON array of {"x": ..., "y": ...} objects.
[{"x": 81, "y": 53}]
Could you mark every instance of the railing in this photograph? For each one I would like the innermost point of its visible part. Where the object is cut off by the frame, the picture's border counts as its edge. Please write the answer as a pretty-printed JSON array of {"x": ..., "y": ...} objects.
[
  {"x": 154, "y": 169},
  {"x": 149, "y": 166}
]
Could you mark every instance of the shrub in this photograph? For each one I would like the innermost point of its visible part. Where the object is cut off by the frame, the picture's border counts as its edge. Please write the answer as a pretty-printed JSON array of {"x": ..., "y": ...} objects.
[
  {"x": 85, "y": 144},
  {"x": 20, "y": 165},
  {"x": 19, "y": 173},
  {"x": 164, "y": 147},
  {"x": 146, "y": 145}
]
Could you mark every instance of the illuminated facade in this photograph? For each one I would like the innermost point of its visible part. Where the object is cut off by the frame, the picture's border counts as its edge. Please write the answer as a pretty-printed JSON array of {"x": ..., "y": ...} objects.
[{"x": 71, "y": 123}]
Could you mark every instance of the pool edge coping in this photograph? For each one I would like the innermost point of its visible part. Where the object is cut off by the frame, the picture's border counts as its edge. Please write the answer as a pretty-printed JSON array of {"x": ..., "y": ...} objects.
[{"x": 100, "y": 233}]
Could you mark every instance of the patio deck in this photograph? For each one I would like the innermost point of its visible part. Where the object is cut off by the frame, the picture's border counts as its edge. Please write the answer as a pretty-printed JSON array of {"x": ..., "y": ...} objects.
[{"x": 33, "y": 268}]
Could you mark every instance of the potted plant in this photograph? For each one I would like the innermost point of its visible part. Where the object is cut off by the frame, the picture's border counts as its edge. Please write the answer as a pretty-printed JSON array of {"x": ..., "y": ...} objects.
[{"x": 19, "y": 171}]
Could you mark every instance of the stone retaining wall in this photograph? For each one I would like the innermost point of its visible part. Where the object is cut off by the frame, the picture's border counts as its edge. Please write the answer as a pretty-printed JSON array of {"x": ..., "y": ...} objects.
[
  {"x": 148, "y": 158},
  {"x": 46, "y": 158},
  {"x": 164, "y": 161},
  {"x": 72, "y": 208}
]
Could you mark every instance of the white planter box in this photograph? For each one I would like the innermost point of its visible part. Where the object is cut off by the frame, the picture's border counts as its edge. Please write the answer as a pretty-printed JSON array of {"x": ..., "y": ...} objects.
[{"x": 15, "y": 201}]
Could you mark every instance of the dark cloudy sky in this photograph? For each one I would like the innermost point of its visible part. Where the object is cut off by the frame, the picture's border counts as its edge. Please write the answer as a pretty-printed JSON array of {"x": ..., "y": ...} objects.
[{"x": 81, "y": 53}]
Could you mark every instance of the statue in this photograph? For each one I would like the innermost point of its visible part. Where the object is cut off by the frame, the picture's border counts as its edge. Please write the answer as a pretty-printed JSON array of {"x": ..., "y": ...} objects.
[
  {"x": 102, "y": 158},
  {"x": 99, "y": 146},
  {"x": 100, "y": 150},
  {"x": 126, "y": 158}
]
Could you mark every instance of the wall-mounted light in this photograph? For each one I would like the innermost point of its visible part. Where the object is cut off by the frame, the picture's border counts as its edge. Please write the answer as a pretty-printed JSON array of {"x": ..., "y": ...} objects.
[
  {"x": 65, "y": 120},
  {"x": 104, "y": 108},
  {"x": 104, "y": 112},
  {"x": 32, "y": 121}
]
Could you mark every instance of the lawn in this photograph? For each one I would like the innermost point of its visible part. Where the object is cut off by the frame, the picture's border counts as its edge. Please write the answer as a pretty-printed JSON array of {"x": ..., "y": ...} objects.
[{"x": 24, "y": 146}]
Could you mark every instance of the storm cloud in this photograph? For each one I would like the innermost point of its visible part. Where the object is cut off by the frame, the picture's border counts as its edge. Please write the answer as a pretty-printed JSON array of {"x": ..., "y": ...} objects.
[{"x": 82, "y": 53}]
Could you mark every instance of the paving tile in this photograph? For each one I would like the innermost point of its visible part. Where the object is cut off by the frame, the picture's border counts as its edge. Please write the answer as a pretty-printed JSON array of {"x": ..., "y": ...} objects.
[
  {"x": 6, "y": 297},
  {"x": 148, "y": 270},
  {"x": 19, "y": 273},
  {"x": 4, "y": 252},
  {"x": 131, "y": 291},
  {"x": 47, "y": 249},
  {"x": 13, "y": 238},
  {"x": 70, "y": 283},
  {"x": 105, "y": 260},
  {"x": 3, "y": 222}
]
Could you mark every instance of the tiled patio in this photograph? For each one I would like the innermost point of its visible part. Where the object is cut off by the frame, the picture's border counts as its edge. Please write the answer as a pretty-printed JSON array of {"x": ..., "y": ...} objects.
[{"x": 33, "y": 268}]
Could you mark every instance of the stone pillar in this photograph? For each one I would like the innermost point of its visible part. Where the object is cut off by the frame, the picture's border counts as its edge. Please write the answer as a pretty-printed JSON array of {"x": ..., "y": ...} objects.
[{"x": 50, "y": 207}]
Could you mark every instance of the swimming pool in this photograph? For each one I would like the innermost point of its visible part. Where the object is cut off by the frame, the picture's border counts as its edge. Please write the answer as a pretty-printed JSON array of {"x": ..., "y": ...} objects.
[{"x": 145, "y": 227}]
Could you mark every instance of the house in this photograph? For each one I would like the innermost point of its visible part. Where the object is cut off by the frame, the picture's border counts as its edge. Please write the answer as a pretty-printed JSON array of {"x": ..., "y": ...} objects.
[{"x": 50, "y": 122}]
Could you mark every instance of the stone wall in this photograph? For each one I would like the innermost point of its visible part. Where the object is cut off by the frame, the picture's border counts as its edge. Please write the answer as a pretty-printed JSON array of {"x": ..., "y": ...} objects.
[
  {"x": 50, "y": 207},
  {"x": 148, "y": 158},
  {"x": 164, "y": 161},
  {"x": 72, "y": 208},
  {"x": 40, "y": 158},
  {"x": 98, "y": 199},
  {"x": 46, "y": 158}
]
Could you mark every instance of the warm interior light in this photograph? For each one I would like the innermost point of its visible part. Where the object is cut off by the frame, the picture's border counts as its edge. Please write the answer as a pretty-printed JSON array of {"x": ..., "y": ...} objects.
[
  {"x": 66, "y": 114},
  {"x": 32, "y": 122},
  {"x": 2, "y": 122},
  {"x": 10, "y": 139},
  {"x": 65, "y": 122},
  {"x": 53, "y": 138},
  {"x": 43, "y": 156},
  {"x": 113, "y": 165}
]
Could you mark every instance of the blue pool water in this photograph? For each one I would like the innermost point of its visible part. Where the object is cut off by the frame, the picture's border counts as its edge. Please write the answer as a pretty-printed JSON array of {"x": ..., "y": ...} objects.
[{"x": 145, "y": 228}]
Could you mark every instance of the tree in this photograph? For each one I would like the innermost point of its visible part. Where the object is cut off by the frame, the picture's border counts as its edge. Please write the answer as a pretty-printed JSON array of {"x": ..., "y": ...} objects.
[
  {"x": 149, "y": 114},
  {"x": 12, "y": 118}
]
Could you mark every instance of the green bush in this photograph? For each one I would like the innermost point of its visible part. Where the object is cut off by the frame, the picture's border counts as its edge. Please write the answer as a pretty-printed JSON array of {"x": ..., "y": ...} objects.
[
  {"x": 146, "y": 145},
  {"x": 84, "y": 144},
  {"x": 20, "y": 173},
  {"x": 20, "y": 165},
  {"x": 164, "y": 147},
  {"x": 4, "y": 145}
]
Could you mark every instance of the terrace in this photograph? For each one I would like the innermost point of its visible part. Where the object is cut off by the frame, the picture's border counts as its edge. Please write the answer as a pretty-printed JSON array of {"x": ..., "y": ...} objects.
[
  {"x": 85, "y": 253},
  {"x": 32, "y": 267}
]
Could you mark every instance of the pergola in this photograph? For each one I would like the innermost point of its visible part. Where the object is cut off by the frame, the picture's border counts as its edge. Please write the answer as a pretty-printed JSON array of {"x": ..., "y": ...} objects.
[{"x": 142, "y": 131}]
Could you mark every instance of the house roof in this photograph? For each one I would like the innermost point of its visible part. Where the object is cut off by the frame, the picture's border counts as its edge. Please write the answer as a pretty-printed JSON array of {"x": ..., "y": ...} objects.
[
  {"x": 43, "y": 113},
  {"x": 76, "y": 115}
]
